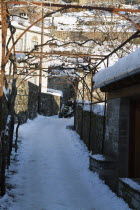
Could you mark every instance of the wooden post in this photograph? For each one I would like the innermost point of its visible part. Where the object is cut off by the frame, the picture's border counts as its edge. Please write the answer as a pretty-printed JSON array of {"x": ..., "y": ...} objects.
[
  {"x": 41, "y": 64},
  {"x": 2, "y": 74},
  {"x": 104, "y": 120},
  {"x": 83, "y": 98},
  {"x": 91, "y": 101},
  {"x": 3, "y": 39}
]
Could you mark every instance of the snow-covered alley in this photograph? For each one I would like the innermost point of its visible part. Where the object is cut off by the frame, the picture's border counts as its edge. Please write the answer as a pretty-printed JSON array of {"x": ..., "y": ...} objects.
[{"x": 51, "y": 171}]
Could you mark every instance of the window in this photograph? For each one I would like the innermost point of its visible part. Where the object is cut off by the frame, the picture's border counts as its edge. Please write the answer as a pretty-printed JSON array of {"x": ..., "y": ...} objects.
[
  {"x": 34, "y": 42},
  {"x": 19, "y": 45}
]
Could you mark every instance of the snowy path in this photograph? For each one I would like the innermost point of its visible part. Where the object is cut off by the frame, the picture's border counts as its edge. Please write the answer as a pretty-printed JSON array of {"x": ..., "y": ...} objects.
[{"x": 52, "y": 172}]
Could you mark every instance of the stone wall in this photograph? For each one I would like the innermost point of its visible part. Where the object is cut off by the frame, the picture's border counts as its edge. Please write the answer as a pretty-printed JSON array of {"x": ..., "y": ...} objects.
[
  {"x": 106, "y": 169},
  {"x": 58, "y": 83},
  {"x": 91, "y": 134},
  {"x": 89, "y": 1},
  {"x": 50, "y": 104},
  {"x": 26, "y": 105},
  {"x": 131, "y": 194},
  {"x": 83, "y": 35}
]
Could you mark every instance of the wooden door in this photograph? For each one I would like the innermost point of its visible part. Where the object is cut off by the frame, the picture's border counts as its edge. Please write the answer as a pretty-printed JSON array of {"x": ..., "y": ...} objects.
[{"x": 134, "y": 147}]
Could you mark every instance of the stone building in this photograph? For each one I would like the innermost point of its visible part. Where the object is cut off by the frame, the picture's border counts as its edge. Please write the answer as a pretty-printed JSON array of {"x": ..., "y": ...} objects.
[
  {"x": 62, "y": 84},
  {"x": 26, "y": 104},
  {"x": 119, "y": 165},
  {"x": 26, "y": 43}
]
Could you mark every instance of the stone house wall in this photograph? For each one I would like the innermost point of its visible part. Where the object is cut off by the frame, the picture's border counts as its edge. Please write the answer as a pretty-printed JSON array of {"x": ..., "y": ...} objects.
[
  {"x": 26, "y": 43},
  {"x": 112, "y": 128},
  {"x": 129, "y": 194},
  {"x": 117, "y": 133}
]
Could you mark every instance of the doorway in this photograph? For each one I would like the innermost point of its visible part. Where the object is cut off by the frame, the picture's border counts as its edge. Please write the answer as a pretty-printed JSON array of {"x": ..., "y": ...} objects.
[{"x": 134, "y": 146}]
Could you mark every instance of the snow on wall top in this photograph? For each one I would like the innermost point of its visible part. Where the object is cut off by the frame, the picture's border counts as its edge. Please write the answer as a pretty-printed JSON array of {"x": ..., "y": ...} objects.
[
  {"x": 131, "y": 183},
  {"x": 96, "y": 108},
  {"x": 98, "y": 157},
  {"x": 124, "y": 67},
  {"x": 55, "y": 92}
]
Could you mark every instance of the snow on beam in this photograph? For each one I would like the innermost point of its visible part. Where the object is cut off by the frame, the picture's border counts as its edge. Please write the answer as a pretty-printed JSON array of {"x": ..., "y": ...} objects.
[
  {"x": 124, "y": 67},
  {"x": 55, "y": 92}
]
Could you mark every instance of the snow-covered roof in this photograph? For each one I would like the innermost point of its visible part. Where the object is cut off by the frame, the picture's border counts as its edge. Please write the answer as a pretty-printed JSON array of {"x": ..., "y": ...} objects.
[{"x": 126, "y": 66}]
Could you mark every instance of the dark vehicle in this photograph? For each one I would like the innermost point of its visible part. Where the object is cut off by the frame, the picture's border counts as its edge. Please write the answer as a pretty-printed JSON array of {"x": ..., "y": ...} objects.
[{"x": 66, "y": 110}]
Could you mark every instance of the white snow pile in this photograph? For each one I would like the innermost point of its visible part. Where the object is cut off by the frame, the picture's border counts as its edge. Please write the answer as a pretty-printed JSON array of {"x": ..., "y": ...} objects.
[
  {"x": 96, "y": 108},
  {"x": 6, "y": 127},
  {"x": 6, "y": 92},
  {"x": 99, "y": 108},
  {"x": 98, "y": 157},
  {"x": 125, "y": 66},
  {"x": 54, "y": 92},
  {"x": 52, "y": 171}
]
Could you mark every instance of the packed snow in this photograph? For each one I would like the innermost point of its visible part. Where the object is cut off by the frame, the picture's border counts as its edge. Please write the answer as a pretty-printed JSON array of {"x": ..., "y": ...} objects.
[
  {"x": 51, "y": 171},
  {"x": 125, "y": 67}
]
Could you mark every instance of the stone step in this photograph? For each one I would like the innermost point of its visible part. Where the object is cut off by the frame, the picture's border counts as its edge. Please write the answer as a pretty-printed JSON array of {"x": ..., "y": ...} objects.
[
  {"x": 105, "y": 167},
  {"x": 129, "y": 190}
]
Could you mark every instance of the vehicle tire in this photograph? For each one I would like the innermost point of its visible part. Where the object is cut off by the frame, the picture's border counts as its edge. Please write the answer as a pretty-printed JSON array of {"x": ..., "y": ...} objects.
[{"x": 60, "y": 115}]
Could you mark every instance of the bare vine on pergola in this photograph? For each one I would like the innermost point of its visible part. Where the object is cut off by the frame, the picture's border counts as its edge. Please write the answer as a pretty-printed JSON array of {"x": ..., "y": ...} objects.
[
  {"x": 90, "y": 66},
  {"x": 55, "y": 43},
  {"x": 111, "y": 10}
]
